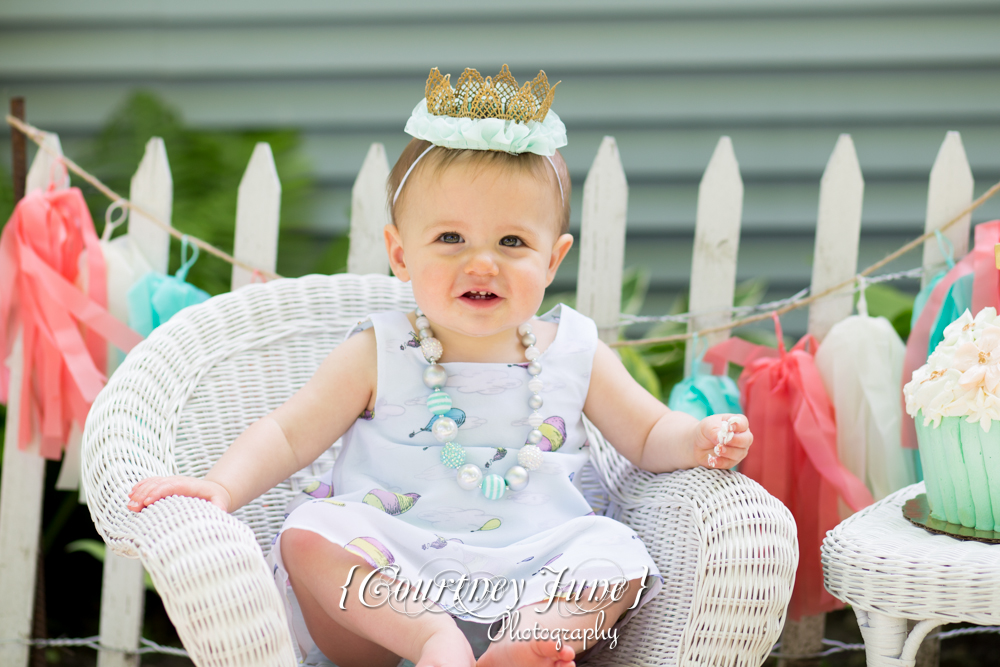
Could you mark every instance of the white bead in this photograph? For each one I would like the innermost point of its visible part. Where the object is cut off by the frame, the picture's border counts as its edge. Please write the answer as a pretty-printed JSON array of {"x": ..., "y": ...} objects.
[
  {"x": 426, "y": 333},
  {"x": 534, "y": 401},
  {"x": 534, "y": 368},
  {"x": 531, "y": 353},
  {"x": 435, "y": 376},
  {"x": 535, "y": 436},
  {"x": 432, "y": 349},
  {"x": 535, "y": 419},
  {"x": 517, "y": 478},
  {"x": 444, "y": 429},
  {"x": 524, "y": 329},
  {"x": 535, "y": 385},
  {"x": 528, "y": 340},
  {"x": 469, "y": 476},
  {"x": 530, "y": 456},
  {"x": 423, "y": 323}
]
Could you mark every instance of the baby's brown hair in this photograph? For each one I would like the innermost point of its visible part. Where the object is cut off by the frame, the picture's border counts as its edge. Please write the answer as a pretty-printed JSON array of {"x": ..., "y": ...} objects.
[{"x": 441, "y": 157}]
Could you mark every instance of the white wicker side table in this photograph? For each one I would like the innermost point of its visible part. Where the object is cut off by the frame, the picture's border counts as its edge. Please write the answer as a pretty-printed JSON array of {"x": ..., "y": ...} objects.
[{"x": 889, "y": 571}]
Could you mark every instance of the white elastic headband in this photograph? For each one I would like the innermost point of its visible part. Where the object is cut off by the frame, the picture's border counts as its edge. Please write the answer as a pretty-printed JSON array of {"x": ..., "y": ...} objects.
[{"x": 395, "y": 195}]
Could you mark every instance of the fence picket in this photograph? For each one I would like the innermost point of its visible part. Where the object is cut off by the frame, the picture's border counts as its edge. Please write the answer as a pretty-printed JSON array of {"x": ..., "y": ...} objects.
[
  {"x": 369, "y": 215},
  {"x": 838, "y": 230},
  {"x": 152, "y": 189},
  {"x": 23, "y": 479},
  {"x": 258, "y": 207},
  {"x": 949, "y": 192},
  {"x": 123, "y": 593},
  {"x": 602, "y": 240},
  {"x": 716, "y": 245}
]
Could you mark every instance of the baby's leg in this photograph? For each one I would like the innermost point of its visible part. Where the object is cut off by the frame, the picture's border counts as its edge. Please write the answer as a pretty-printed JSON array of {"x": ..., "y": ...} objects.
[
  {"x": 565, "y": 617},
  {"x": 364, "y": 636}
]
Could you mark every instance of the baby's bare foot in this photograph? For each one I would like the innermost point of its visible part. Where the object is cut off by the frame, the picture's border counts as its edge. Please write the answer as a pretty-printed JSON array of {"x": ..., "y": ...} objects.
[
  {"x": 527, "y": 653},
  {"x": 447, "y": 648}
]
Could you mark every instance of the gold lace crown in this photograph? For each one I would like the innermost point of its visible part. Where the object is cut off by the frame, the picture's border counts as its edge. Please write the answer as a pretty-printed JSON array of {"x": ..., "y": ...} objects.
[{"x": 475, "y": 97}]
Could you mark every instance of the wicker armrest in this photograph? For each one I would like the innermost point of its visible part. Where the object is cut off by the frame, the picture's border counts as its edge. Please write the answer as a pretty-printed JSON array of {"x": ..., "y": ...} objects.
[
  {"x": 727, "y": 551},
  {"x": 214, "y": 582}
]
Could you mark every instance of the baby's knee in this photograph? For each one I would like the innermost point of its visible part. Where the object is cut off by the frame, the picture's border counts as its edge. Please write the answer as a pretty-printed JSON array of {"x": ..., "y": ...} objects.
[{"x": 297, "y": 543}]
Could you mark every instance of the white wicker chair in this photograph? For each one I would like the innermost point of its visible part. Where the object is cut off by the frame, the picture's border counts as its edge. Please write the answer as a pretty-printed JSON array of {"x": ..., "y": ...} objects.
[{"x": 727, "y": 549}]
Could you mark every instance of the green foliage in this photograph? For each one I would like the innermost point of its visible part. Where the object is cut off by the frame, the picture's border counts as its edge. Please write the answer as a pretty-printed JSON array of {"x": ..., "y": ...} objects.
[
  {"x": 892, "y": 304},
  {"x": 206, "y": 167},
  {"x": 665, "y": 361}
]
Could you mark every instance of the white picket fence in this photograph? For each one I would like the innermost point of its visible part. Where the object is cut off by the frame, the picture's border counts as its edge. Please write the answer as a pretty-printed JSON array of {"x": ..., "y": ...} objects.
[{"x": 602, "y": 244}]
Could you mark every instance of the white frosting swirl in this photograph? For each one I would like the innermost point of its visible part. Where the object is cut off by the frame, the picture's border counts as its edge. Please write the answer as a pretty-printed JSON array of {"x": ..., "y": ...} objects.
[{"x": 962, "y": 376}]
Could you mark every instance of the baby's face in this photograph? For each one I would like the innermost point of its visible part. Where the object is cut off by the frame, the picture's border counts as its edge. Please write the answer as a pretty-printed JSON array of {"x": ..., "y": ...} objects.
[{"x": 479, "y": 246}]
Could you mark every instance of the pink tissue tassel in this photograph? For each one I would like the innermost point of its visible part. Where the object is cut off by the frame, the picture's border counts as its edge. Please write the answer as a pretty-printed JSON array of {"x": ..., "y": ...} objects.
[
  {"x": 65, "y": 330},
  {"x": 794, "y": 453}
]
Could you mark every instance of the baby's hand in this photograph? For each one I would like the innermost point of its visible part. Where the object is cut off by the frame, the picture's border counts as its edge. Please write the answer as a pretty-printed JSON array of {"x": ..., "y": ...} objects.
[
  {"x": 722, "y": 440},
  {"x": 148, "y": 491}
]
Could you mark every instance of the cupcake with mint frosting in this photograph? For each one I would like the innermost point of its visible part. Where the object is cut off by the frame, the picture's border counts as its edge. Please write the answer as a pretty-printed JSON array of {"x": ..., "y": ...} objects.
[{"x": 954, "y": 399}]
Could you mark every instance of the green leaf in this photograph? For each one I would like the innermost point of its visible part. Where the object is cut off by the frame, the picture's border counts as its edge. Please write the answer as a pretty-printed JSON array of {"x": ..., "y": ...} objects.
[
  {"x": 640, "y": 369},
  {"x": 635, "y": 285},
  {"x": 93, "y": 547}
]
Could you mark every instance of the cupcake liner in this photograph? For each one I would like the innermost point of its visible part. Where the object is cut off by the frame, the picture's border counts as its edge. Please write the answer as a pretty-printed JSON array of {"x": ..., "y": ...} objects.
[
  {"x": 951, "y": 445},
  {"x": 975, "y": 467},
  {"x": 927, "y": 439},
  {"x": 990, "y": 443}
]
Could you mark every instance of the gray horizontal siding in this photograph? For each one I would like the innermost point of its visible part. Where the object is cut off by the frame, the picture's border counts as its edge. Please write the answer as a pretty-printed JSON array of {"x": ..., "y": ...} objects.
[
  {"x": 783, "y": 78},
  {"x": 569, "y": 45}
]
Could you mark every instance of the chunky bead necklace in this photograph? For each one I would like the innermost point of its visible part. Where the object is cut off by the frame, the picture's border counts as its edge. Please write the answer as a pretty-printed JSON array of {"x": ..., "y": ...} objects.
[{"x": 470, "y": 476}]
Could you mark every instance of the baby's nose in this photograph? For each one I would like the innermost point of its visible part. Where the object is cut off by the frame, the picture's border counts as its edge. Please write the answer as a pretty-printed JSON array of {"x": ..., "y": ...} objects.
[{"x": 482, "y": 263}]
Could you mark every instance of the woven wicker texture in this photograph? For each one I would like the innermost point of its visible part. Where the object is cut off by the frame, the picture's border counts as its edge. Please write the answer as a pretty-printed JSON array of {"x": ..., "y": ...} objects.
[
  {"x": 500, "y": 97},
  {"x": 726, "y": 547},
  {"x": 879, "y": 561}
]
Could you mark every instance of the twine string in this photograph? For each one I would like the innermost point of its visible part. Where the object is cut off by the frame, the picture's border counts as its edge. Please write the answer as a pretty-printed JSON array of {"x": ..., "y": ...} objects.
[
  {"x": 38, "y": 137},
  {"x": 790, "y": 304}
]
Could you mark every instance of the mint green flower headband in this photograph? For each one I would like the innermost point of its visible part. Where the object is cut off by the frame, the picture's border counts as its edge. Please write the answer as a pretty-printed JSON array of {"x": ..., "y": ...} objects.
[{"x": 487, "y": 115}]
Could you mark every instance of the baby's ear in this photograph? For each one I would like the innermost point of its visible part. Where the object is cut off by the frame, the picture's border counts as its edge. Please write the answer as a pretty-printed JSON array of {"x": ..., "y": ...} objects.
[
  {"x": 559, "y": 250},
  {"x": 394, "y": 248}
]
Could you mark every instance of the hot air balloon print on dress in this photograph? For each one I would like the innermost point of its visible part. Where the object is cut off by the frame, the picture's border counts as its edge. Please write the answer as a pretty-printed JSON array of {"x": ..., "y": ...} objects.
[
  {"x": 389, "y": 502},
  {"x": 318, "y": 489},
  {"x": 371, "y": 550},
  {"x": 440, "y": 543},
  {"x": 553, "y": 434},
  {"x": 492, "y": 524},
  {"x": 454, "y": 413}
]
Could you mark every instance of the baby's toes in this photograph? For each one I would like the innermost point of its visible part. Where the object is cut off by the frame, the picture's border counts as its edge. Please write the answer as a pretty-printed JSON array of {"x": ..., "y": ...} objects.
[{"x": 547, "y": 649}]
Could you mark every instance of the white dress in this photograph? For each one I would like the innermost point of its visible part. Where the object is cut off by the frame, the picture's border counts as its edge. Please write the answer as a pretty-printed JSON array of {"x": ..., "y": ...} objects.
[{"x": 390, "y": 500}]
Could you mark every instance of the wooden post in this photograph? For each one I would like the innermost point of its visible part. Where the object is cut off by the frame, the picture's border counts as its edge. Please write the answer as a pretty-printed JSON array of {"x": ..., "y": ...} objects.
[
  {"x": 838, "y": 230},
  {"x": 23, "y": 482},
  {"x": 716, "y": 246},
  {"x": 602, "y": 241},
  {"x": 369, "y": 215},
  {"x": 258, "y": 209},
  {"x": 123, "y": 591},
  {"x": 949, "y": 191}
]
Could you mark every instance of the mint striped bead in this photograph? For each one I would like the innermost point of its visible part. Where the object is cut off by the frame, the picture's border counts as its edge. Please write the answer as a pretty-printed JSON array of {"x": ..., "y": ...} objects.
[
  {"x": 494, "y": 487},
  {"x": 439, "y": 402},
  {"x": 453, "y": 455}
]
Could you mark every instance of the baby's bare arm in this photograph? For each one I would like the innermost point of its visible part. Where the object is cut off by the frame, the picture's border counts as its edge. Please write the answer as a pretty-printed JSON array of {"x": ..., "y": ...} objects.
[
  {"x": 287, "y": 439},
  {"x": 648, "y": 433}
]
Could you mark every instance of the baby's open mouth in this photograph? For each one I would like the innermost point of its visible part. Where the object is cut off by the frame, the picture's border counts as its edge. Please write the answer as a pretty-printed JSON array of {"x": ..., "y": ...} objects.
[{"x": 479, "y": 295}]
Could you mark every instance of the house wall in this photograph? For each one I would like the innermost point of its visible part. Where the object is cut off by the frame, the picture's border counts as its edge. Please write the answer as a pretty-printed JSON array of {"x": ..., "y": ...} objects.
[{"x": 783, "y": 78}]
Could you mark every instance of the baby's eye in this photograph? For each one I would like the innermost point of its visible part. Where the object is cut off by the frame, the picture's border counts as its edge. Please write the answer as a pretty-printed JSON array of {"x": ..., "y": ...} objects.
[
  {"x": 450, "y": 237},
  {"x": 511, "y": 242}
]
